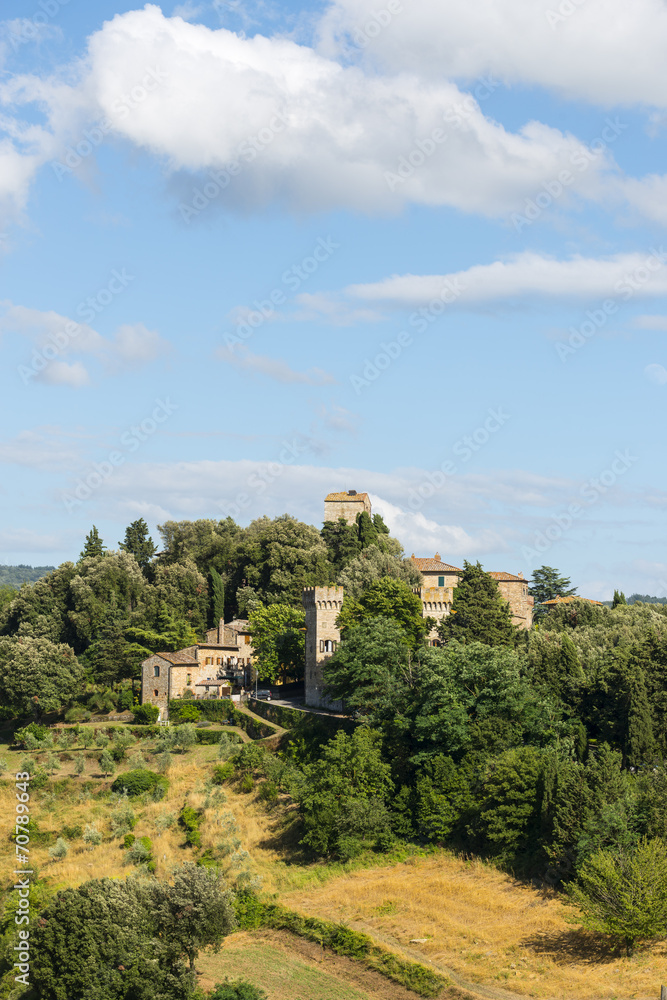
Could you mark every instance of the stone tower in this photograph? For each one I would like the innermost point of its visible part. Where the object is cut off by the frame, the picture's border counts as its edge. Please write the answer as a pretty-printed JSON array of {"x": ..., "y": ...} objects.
[
  {"x": 323, "y": 605},
  {"x": 346, "y": 505}
]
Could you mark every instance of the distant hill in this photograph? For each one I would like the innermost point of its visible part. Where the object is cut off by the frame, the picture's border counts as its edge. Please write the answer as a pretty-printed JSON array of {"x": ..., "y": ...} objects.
[
  {"x": 14, "y": 576},
  {"x": 645, "y": 599}
]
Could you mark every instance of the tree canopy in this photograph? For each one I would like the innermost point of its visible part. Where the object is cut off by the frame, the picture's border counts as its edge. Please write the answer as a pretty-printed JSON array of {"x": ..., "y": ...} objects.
[{"x": 479, "y": 613}]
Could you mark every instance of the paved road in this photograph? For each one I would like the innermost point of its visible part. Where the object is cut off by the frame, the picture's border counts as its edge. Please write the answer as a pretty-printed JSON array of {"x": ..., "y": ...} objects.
[{"x": 298, "y": 704}]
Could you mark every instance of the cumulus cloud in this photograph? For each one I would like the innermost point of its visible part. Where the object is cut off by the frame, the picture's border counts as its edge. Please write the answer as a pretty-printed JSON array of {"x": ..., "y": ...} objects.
[
  {"x": 303, "y": 129},
  {"x": 656, "y": 374},
  {"x": 606, "y": 52},
  {"x": 55, "y": 337},
  {"x": 274, "y": 368}
]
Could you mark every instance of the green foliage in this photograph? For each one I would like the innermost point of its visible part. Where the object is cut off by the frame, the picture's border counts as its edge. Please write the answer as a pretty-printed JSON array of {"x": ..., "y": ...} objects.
[
  {"x": 118, "y": 939},
  {"x": 368, "y": 534},
  {"x": 247, "y": 783},
  {"x": 342, "y": 542},
  {"x": 370, "y": 666},
  {"x": 343, "y": 801},
  {"x": 33, "y": 729},
  {"x": 223, "y": 772},
  {"x": 139, "y": 851},
  {"x": 189, "y": 819},
  {"x": 107, "y": 765},
  {"x": 278, "y": 636},
  {"x": 375, "y": 563},
  {"x": 479, "y": 613},
  {"x": 37, "y": 675},
  {"x": 546, "y": 584},
  {"x": 135, "y": 782},
  {"x": 188, "y": 713},
  {"x": 93, "y": 546},
  {"x": 239, "y": 989},
  {"x": 217, "y": 598},
  {"x": 389, "y": 599},
  {"x": 13, "y": 577},
  {"x": 60, "y": 849},
  {"x": 443, "y": 796},
  {"x": 619, "y": 598},
  {"x": 624, "y": 893},
  {"x": 139, "y": 543},
  {"x": 146, "y": 715}
]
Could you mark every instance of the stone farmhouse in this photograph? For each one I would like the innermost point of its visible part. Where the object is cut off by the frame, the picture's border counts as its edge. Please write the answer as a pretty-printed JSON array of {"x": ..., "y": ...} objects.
[{"x": 211, "y": 668}]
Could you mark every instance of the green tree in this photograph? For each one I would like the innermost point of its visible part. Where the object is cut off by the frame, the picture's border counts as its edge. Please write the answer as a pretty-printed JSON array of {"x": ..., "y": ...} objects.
[
  {"x": 139, "y": 543},
  {"x": 388, "y": 598},
  {"x": 103, "y": 939},
  {"x": 367, "y": 532},
  {"x": 194, "y": 911},
  {"x": 278, "y": 636},
  {"x": 624, "y": 893},
  {"x": 371, "y": 668},
  {"x": 443, "y": 796},
  {"x": 217, "y": 598},
  {"x": 342, "y": 542},
  {"x": 547, "y": 583},
  {"x": 37, "y": 675},
  {"x": 375, "y": 563},
  {"x": 511, "y": 800},
  {"x": 169, "y": 635},
  {"x": 619, "y": 598},
  {"x": 343, "y": 798},
  {"x": 93, "y": 546},
  {"x": 479, "y": 613}
]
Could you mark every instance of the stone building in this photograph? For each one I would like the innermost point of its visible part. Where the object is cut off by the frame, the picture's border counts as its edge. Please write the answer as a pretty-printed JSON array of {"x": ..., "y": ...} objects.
[
  {"x": 322, "y": 606},
  {"x": 346, "y": 505},
  {"x": 225, "y": 655},
  {"x": 440, "y": 578}
]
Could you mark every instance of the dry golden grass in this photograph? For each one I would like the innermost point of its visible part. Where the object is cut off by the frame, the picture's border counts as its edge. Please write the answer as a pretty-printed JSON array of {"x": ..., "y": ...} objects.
[{"x": 485, "y": 927}]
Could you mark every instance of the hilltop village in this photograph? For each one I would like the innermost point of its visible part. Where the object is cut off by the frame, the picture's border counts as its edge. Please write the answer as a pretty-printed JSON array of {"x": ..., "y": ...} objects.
[{"x": 223, "y": 662}]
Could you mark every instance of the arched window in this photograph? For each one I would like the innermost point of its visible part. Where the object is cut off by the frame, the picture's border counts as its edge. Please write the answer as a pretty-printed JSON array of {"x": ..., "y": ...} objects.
[
  {"x": 156, "y": 671},
  {"x": 155, "y": 692}
]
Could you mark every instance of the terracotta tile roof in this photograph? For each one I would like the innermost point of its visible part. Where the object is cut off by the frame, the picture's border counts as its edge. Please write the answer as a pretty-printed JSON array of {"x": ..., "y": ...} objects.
[
  {"x": 239, "y": 625},
  {"x": 434, "y": 565},
  {"x": 180, "y": 656},
  {"x": 346, "y": 496},
  {"x": 507, "y": 576},
  {"x": 568, "y": 600},
  {"x": 218, "y": 645}
]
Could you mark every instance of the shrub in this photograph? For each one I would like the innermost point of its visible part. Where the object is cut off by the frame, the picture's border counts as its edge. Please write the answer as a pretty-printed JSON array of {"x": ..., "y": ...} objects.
[
  {"x": 136, "y": 782},
  {"x": 128, "y": 840},
  {"x": 77, "y": 714},
  {"x": 140, "y": 852},
  {"x": 164, "y": 762},
  {"x": 125, "y": 701},
  {"x": 107, "y": 765},
  {"x": 146, "y": 715},
  {"x": 92, "y": 835},
  {"x": 59, "y": 849},
  {"x": 188, "y": 713},
  {"x": 72, "y": 832},
  {"x": 268, "y": 792},
  {"x": 240, "y": 989},
  {"x": 189, "y": 820},
  {"x": 222, "y": 773},
  {"x": 34, "y": 729},
  {"x": 247, "y": 783}
]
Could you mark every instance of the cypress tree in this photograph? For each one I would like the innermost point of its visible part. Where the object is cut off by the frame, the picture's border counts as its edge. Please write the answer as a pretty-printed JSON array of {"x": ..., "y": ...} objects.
[
  {"x": 619, "y": 598},
  {"x": 94, "y": 546},
  {"x": 217, "y": 597},
  {"x": 479, "y": 613},
  {"x": 139, "y": 543},
  {"x": 367, "y": 531}
]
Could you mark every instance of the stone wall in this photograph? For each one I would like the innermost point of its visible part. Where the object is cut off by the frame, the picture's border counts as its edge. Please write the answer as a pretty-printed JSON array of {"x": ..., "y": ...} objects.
[
  {"x": 150, "y": 684},
  {"x": 515, "y": 592},
  {"x": 436, "y": 603},
  {"x": 347, "y": 508},
  {"x": 322, "y": 606}
]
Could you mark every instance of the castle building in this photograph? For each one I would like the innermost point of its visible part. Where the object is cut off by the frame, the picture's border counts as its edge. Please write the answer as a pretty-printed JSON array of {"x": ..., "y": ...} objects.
[
  {"x": 346, "y": 505},
  {"x": 322, "y": 606}
]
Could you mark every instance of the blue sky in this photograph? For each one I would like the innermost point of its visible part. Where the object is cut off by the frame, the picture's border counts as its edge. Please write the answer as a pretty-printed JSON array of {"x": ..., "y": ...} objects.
[{"x": 253, "y": 253}]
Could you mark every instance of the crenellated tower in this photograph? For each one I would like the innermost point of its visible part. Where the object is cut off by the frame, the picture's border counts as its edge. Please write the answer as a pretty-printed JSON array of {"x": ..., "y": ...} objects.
[{"x": 322, "y": 605}]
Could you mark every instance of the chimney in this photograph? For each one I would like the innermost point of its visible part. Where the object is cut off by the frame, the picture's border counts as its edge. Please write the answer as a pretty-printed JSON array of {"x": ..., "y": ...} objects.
[
  {"x": 352, "y": 493},
  {"x": 437, "y": 557}
]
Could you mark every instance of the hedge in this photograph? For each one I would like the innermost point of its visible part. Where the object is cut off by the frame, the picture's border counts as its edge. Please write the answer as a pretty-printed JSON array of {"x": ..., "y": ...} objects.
[
  {"x": 225, "y": 711},
  {"x": 251, "y": 914}
]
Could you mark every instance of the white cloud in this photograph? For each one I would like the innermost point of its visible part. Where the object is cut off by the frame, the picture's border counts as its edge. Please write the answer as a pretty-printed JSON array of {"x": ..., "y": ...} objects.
[
  {"x": 607, "y": 52},
  {"x": 56, "y": 337},
  {"x": 305, "y": 130},
  {"x": 626, "y": 275},
  {"x": 651, "y": 322},
  {"x": 43, "y": 449},
  {"x": 656, "y": 373},
  {"x": 275, "y": 368}
]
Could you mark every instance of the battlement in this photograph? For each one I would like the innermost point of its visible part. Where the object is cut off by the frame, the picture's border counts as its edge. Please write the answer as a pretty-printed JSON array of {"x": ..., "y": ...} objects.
[{"x": 323, "y": 597}]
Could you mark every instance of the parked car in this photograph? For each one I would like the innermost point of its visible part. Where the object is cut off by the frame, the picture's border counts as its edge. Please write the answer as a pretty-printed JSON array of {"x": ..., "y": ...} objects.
[{"x": 264, "y": 695}]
